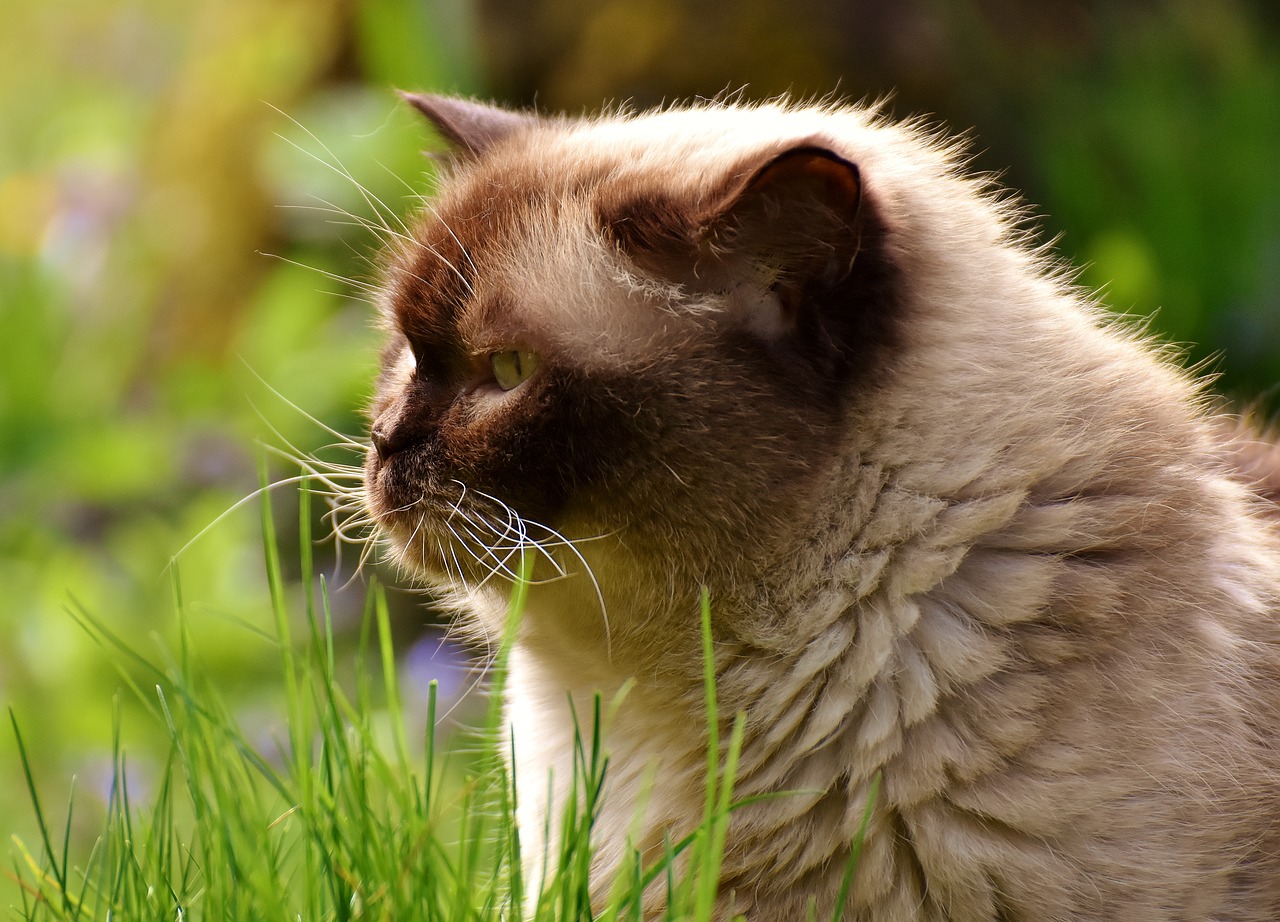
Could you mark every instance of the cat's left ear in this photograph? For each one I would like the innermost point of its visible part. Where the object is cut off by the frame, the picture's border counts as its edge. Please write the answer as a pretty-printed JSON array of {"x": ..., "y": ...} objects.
[
  {"x": 784, "y": 232},
  {"x": 471, "y": 127}
]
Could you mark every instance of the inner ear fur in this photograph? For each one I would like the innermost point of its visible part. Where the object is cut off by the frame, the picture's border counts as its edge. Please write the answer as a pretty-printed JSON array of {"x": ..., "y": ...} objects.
[
  {"x": 794, "y": 238},
  {"x": 792, "y": 222},
  {"x": 783, "y": 219}
]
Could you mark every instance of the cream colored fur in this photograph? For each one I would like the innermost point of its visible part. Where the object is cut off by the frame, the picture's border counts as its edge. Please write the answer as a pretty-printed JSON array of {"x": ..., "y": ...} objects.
[{"x": 1029, "y": 590}]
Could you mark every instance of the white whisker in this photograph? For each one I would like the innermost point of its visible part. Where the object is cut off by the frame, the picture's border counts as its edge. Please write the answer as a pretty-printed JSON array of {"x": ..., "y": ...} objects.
[
  {"x": 343, "y": 439},
  {"x": 332, "y": 276},
  {"x": 520, "y": 526},
  {"x": 301, "y": 478},
  {"x": 461, "y": 246},
  {"x": 379, "y": 207}
]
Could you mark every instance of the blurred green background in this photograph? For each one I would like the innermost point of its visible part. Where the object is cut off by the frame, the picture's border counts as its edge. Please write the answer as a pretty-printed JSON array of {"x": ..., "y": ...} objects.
[{"x": 167, "y": 263}]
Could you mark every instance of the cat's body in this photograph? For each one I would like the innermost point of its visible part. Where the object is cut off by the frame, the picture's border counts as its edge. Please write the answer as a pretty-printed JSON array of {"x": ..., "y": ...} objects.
[{"x": 957, "y": 527}]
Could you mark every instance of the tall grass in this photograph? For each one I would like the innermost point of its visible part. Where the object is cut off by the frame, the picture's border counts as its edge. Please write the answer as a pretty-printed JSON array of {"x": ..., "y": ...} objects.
[{"x": 346, "y": 817}]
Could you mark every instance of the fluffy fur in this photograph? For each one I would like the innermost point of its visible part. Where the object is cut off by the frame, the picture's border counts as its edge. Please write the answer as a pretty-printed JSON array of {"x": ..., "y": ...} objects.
[{"x": 959, "y": 527}]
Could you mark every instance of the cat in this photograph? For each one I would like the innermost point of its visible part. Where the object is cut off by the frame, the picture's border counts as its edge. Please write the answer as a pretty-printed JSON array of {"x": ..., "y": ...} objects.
[{"x": 961, "y": 530}]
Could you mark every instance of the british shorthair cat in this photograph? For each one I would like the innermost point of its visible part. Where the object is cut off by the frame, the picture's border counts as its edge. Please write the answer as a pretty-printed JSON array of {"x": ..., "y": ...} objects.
[{"x": 961, "y": 530}]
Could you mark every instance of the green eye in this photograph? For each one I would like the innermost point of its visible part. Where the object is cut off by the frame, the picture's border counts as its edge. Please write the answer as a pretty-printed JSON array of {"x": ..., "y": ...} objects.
[{"x": 513, "y": 367}]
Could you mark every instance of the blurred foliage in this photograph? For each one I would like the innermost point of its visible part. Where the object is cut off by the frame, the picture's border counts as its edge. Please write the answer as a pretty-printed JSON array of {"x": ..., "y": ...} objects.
[
  {"x": 1154, "y": 153},
  {"x": 171, "y": 237},
  {"x": 151, "y": 153}
]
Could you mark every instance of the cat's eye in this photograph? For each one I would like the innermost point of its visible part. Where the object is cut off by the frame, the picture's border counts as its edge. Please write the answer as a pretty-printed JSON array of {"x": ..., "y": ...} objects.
[{"x": 512, "y": 367}]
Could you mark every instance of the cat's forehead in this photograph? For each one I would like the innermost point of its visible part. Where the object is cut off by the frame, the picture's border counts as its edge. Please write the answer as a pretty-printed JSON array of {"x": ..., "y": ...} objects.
[
  {"x": 516, "y": 250},
  {"x": 520, "y": 236}
]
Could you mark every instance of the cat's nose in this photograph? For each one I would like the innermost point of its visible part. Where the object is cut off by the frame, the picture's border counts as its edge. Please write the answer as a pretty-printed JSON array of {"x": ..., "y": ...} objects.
[
  {"x": 383, "y": 444},
  {"x": 397, "y": 429}
]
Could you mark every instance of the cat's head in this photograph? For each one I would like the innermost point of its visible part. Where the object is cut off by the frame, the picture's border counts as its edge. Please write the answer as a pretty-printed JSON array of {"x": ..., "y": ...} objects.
[{"x": 629, "y": 342}]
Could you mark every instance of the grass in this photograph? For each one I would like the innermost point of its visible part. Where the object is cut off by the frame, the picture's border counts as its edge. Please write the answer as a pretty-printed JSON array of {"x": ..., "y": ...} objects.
[{"x": 346, "y": 817}]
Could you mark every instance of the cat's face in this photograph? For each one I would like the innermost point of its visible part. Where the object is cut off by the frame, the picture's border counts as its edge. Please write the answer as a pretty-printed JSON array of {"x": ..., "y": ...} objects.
[{"x": 590, "y": 343}]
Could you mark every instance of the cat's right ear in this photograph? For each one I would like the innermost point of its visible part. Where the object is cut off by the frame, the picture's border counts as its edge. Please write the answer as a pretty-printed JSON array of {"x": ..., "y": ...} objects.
[{"x": 471, "y": 127}]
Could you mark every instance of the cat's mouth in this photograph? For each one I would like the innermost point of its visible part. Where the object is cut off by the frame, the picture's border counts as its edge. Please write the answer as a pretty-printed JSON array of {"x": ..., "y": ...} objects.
[{"x": 451, "y": 531}]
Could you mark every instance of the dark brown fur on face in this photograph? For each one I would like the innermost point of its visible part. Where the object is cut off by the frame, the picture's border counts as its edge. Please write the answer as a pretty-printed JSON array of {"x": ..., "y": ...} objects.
[{"x": 962, "y": 533}]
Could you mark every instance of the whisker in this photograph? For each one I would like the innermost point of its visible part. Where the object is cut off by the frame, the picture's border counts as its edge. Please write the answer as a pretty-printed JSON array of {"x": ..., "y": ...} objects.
[
  {"x": 379, "y": 207},
  {"x": 462, "y": 578},
  {"x": 370, "y": 547},
  {"x": 367, "y": 287},
  {"x": 343, "y": 439},
  {"x": 480, "y": 672},
  {"x": 498, "y": 564},
  {"x": 461, "y": 246},
  {"x": 544, "y": 548},
  {"x": 512, "y": 537},
  {"x": 301, "y": 478},
  {"x": 331, "y": 208},
  {"x": 328, "y": 478},
  {"x": 448, "y": 264}
]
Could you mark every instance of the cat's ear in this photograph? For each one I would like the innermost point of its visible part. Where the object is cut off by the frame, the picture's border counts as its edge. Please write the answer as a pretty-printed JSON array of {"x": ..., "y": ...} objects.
[
  {"x": 471, "y": 127},
  {"x": 783, "y": 231},
  {"x": 789, "y": 243}
]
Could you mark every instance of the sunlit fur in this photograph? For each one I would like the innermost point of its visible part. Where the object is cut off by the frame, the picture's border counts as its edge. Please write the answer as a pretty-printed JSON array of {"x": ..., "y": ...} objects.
[{"x": 992, "y": 546}]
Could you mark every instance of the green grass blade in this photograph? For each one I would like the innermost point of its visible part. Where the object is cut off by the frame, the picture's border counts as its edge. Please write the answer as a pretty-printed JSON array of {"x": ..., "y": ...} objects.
[
  {"x": 855, "y": 851},
  {"x": 59, "y": 873},
  {"x": 391, "y": 685},
  {"x": 713, "y": 716}
]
